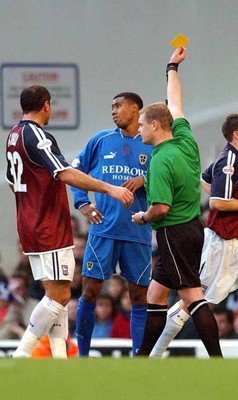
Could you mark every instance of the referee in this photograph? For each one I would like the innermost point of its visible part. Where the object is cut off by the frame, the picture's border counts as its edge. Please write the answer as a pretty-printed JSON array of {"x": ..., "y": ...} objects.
[{"x": 173, "y": 193}]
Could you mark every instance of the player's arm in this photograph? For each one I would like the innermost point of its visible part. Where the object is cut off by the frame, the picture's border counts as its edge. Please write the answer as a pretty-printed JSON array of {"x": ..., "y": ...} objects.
[
  {"x": 206, "y": 179},
  {"x": 80, "y": 196},
  {"x": 86, "y": 161},
  {"x": 223, "y": 205},
  {"x": 174, "y": 91},
  {"x": 48, "y": 154},
  {"x": 81, "y": 180},
  {"x": 221, "y": 198},
  {"x": 205, "y": 186},
  {"x": 155, "y": 212}
]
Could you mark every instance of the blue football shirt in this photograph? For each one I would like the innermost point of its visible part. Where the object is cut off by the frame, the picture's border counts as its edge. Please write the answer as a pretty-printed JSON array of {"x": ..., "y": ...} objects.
[{"x": 114, "y": 158}]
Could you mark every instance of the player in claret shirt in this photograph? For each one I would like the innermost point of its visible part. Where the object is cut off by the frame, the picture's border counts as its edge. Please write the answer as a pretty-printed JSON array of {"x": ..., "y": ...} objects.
[{"x": 37, "y": 173}]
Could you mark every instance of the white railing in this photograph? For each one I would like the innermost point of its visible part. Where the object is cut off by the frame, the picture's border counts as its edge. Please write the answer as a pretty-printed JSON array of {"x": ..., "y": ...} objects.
[{"x": 122, "y": 347}]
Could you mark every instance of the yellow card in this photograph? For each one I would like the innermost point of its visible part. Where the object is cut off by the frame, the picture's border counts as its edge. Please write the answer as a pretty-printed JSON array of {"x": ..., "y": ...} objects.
[{"x": 179, "y": 41}]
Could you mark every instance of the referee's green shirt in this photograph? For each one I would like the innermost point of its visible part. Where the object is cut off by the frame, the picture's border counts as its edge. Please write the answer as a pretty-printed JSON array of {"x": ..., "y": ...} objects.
[{"x": 173, "y": 177}]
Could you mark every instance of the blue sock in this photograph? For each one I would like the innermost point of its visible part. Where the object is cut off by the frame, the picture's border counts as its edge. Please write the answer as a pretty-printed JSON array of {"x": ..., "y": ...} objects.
[
  {"x": 84, "y": 325},
  {"x": 138, "y": 320}
]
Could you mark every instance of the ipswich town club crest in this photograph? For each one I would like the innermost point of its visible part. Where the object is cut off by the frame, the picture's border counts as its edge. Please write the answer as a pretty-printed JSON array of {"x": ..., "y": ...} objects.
[
  {"x": 65, "y": 270},
  {"x": 143, "y": 158}
]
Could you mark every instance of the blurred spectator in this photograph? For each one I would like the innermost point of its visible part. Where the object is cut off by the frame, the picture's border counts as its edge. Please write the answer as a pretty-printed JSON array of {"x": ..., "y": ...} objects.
[
  {"x": 121, "y": 322},
  {"x": 36, "y": 290},
  {"x": 11, "y": 320},
  {"x": 72, "y": 311},
  {"x": 3, "y": 276},
  {"x": 76, "y": 283},
  {"x": 104, "y": 314},
  {"x": 115, "y": 286},
  {"x": 43, "y": 350},
  {"x": 18, "y": 286},
  {"x": 235, "y": 322},
  {"x": 232, "y": 301},
  {"x": 23, "y": 266},
  {"x": 80, "y": 243},
  {"x": 224, "y": 318},
  {"x": 75, "y": 224}
]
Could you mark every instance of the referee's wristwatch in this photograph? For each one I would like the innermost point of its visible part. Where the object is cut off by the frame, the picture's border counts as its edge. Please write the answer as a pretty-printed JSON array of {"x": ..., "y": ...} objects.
[{"x": 142, "y": 219}]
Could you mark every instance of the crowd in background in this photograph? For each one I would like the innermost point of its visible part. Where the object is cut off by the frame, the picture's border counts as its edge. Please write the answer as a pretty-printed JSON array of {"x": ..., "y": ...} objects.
[{"x": 19, "y": 294}]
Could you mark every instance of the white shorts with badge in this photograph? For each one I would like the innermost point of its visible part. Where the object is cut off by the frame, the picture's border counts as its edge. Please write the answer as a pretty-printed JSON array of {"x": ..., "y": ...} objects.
[
  {"x": 219, "y": 267},
  {"x": 54, "y": 266}
]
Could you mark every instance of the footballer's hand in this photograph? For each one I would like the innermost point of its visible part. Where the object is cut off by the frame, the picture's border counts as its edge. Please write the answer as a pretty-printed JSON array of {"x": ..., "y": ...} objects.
[
  {"x": 134, "y": 183},
  {"x": 93, "y": 215},
  {"x": 122, "y": 194}
]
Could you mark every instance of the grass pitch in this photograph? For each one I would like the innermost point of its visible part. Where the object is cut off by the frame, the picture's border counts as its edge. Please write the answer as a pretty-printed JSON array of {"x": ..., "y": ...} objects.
[{"x": 119, "y": 379}]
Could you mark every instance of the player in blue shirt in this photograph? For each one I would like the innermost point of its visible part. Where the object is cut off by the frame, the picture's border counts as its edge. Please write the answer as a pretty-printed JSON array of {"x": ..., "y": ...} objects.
[{"x": 117, "y": 156}]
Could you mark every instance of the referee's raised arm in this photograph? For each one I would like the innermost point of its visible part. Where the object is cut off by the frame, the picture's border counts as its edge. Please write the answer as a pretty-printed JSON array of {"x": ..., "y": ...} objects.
[{"x": 174, "y": 91}]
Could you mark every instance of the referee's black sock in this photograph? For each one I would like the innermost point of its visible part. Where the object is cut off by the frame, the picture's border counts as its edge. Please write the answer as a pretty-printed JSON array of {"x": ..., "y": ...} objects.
[
  {"x": 206, "y": 326},
  {"x": 155, "y": 323}
]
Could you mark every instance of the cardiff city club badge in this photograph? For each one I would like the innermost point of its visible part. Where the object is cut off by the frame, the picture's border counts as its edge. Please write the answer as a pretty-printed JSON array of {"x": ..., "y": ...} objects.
[
  {"x": 142, "y": 158},
  {"x": 89, "y": 265}
]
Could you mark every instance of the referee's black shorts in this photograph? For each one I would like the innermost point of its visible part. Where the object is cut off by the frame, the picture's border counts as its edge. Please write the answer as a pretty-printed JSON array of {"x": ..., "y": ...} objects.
[{"x": 180, "y": 248}]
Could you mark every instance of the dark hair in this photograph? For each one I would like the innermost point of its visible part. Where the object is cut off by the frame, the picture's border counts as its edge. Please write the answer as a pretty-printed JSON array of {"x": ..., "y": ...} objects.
[
  {"x": 229, "y": 126},
  {"x": 133, "y": 97},
  {"x": 33, "y": 98},
  {"x": 106, "y": 296}
]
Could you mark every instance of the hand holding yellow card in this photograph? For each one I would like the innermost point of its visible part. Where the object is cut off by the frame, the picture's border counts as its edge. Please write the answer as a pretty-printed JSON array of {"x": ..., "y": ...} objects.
[{"x": 179, "y": 41}]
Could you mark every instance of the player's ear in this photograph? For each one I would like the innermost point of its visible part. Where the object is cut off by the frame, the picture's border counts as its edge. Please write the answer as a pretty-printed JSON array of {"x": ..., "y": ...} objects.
[
  {"x": 46, "y": 106},
  {"x": 235, "y": 135},
  {"x": 135, "y": 108},
  {"x": 155, "y": 124}
]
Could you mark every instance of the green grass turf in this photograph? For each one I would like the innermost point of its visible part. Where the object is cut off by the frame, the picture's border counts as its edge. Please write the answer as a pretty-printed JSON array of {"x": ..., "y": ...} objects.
[{"x": 119, "y": 379}]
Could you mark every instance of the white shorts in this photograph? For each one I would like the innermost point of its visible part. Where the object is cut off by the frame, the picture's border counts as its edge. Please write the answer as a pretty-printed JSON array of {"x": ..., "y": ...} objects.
[
  {"x": 219, "y": 267},
  {"x": 56, "y": 266}
]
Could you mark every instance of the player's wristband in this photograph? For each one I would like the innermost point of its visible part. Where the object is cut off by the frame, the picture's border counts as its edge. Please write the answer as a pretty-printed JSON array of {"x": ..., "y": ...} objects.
[
  {"x": 142, "y": 219},
  {"x": 171, "y": 67}
]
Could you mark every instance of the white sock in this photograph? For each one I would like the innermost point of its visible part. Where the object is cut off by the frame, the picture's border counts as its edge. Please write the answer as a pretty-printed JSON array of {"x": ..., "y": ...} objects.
[
  {"x": 58, "y": 348},
  {"x": 176, "y": 319},
  {"x": 26, "y": 346},
  {"x": 58, "y": 334},
  {"x": 41, "y": 320}
]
